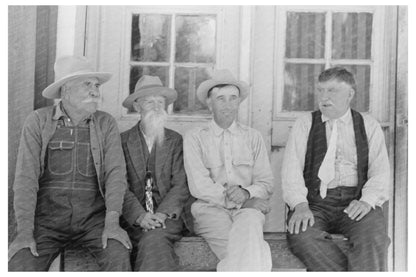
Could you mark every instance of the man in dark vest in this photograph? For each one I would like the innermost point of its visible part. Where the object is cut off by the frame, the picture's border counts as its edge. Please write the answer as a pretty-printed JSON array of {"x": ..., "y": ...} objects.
[
  {"x": 335, "y": 178},
  {"x": 154, "y": 202}
]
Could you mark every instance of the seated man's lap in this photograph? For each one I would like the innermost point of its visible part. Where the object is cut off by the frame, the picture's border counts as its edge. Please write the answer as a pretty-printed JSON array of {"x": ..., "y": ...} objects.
[{"x": 172, "y": 232}]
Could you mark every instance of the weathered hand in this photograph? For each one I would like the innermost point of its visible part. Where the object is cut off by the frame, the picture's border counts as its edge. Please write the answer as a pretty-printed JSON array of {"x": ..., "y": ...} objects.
[
  {"x": 149, "y": 221},
  {"x": 23, "y": 240},
  {"x": 356, "y": 210},
  {"x": 302, "y": 216},
  {"x": 236, "y": 194},
  {"x": 257, "y": 203},
  {"x": 114, "y": 231},
  {"x": 161, "y": 217}
]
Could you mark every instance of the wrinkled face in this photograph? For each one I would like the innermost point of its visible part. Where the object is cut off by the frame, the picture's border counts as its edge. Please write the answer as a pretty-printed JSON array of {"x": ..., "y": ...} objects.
[
  {"x": 82, "y": 94},
  {"x": 223, "y": 103},
  {"x": 150, "y": 103},
  {"x": 334, "y": 98}
]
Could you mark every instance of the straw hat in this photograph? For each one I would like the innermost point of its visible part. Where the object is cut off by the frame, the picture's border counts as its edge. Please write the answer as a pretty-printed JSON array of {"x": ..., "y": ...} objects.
[
  {"x": 221, "y": 77},
  {"x": 150, "y": 85},
  {"x": 69, "y": 68}
]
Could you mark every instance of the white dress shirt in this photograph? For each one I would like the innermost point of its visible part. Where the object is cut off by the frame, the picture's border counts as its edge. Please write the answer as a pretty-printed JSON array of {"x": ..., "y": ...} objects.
[
  {"x": 376, "y": 189},
  {"x": 236, "y": 156}
]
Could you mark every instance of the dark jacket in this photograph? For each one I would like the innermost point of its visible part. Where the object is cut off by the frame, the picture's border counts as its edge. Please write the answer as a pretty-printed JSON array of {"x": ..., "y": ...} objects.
[{"x": 170, "y": 176}]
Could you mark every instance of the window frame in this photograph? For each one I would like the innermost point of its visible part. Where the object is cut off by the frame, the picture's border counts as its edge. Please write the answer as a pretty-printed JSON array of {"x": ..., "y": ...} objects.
[
  {"x": 125, "y": 61},
  {"x": 378, "y": 100}
]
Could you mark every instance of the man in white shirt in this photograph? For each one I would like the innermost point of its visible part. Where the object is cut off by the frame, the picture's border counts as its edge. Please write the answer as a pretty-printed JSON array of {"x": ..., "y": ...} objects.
[
  {"x": 335, "y": 178},
  {"x": 229, "y": 173}
]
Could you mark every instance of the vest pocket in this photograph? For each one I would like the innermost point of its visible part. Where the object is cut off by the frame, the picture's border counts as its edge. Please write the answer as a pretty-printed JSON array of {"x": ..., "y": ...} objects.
[
  {"x": 60, "y": 157},
  {"x": 85, "y": 161}
]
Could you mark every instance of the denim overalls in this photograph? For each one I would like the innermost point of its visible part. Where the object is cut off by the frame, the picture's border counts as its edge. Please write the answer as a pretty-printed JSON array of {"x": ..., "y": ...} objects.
[
  {"x": 68, "y": 199},
  {"x": 70, "y": 209}
]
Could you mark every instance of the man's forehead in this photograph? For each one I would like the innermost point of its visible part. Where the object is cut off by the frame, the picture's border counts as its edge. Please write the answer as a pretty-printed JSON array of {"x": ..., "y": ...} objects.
[
  {"x": 333, "y": 83},
  {"x": 151, "y": 97},
  {"x": 83, "y": 79},
  {"x": 229, "y": 89}
]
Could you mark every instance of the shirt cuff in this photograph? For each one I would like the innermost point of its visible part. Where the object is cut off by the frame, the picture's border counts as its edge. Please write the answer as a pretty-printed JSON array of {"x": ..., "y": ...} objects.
[
  {"x": 371, "y": 200},
  {"x": 254, "y": 191},
  {"x": 295, "y": 201}
]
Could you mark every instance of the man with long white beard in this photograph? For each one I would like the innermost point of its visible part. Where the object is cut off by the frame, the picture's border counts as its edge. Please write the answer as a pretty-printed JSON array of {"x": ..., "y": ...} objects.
[{"x": 156, "y": 178}]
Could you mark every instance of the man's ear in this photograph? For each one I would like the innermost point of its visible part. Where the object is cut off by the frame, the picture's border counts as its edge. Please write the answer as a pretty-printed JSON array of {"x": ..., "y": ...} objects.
[
  {"x": 64, "y": 92},
  {"x": 136, "y": 106},
  {"x": 209, "y": 104},
  {"x": 352, "y": 92}
]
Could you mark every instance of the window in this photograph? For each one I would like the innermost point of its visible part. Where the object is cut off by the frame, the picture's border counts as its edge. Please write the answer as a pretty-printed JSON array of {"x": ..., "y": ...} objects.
[
  {"x": 179, "y": 48},
  {"x": 316, "y": 40}
]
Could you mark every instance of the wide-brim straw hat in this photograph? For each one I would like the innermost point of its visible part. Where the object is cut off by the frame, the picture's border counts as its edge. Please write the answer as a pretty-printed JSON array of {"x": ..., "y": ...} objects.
[
  {"x": 69, "y": 68},
  {"x": 221, "y": 77},
  {"x": 150, "y": 86}
]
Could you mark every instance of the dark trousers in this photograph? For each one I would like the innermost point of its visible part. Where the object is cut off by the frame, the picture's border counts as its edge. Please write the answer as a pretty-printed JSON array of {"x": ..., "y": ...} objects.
[
  {"x": 153, "y": 250},
  {"x": 368, "y": 237},
  {"x": 49, "y": 243}
]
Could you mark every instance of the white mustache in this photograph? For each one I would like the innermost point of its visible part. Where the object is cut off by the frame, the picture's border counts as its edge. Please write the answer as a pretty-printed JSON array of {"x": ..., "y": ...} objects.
[{"x": 92, "y": 100}]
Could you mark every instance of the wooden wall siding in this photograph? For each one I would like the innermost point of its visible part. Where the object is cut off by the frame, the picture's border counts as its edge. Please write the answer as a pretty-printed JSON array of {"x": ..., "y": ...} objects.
[
  {"x": 46, "y": 26},
  {"x": 32, "y": 48},
  {"x": 401, "y": 151},
  {"x": 22, "y": 41}
]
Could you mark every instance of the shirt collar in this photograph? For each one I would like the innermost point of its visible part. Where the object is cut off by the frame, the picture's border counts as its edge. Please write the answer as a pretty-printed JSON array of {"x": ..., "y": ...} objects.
[
  {"x": 346, "y": 118},
  {"x": 218, "y": 130},
  {"x": 61, "y": 113},
  {"x": 58, "y": 111}
]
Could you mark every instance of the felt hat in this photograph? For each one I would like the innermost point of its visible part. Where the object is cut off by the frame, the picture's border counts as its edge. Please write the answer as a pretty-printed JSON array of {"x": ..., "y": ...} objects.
[
  {"x": 150, "y": 85},
  {"x": 69, "y": 68}
]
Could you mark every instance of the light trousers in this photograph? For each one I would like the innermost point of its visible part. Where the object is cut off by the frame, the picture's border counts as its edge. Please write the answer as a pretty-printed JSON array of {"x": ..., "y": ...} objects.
[{"x": 235, "y": 236}]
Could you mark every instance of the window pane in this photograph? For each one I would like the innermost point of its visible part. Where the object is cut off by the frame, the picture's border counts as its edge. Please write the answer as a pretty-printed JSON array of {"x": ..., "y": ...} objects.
[
  {"x": 299, "y": 86},
  {"x": 351, "y": 38},
  {"x": 138, "y": 71},
  {"x": 150, "y": 38},
  {"x": 187, "y": 81},
  {"x": 195, "y": 39},
  {"x": 362, "y": 74},
  {"x": 305, "y": 35}
]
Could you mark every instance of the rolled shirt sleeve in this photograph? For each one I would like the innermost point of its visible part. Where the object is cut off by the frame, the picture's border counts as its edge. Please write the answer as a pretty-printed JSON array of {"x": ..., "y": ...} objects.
[
  {"x": 201, "y": 185},
  {"x": 377, "y": 189},
  {"x": 262, "y": 186},
  {"x": 293, "y": 184}
]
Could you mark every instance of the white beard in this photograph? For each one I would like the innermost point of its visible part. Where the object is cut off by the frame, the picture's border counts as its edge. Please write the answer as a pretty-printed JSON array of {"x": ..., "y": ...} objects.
[{"x": 154, "y": 125}]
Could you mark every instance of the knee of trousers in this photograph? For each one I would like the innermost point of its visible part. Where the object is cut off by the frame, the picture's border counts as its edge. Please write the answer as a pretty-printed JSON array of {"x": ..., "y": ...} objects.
[
  {"x": 154, "y": 238},
  {"x": 24, "y": 260},
  {"x": 371, "y": 236},
  {"x": 117, "y": 252},
  {"x": 251, "y": 217},
  {"x": 305, "y": 241}
]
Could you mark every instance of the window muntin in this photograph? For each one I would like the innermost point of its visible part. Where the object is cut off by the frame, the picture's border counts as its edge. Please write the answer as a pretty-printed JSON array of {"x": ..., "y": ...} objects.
[
  {"x": 182, "y": 58},
  {"x": 318, "y": 40}
]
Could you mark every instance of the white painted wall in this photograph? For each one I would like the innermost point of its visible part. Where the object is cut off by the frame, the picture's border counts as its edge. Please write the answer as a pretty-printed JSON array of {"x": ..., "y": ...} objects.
[{"x": 66, "y": 30}]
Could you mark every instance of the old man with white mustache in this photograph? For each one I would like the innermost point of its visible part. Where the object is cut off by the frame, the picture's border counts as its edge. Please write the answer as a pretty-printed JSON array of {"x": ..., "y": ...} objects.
[
  {"x": 156, "y": 178},
  {"x": 70, "y": 176}
]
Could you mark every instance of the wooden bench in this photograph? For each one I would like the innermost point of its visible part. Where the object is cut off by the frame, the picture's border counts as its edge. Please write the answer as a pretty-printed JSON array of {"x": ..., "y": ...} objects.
[{"x": 195, "y": 255}]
